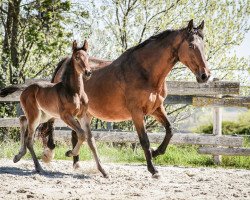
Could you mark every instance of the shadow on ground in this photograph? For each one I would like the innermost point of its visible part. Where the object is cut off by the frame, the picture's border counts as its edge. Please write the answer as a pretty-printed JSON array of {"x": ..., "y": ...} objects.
[{"x": 23, "y": 172}]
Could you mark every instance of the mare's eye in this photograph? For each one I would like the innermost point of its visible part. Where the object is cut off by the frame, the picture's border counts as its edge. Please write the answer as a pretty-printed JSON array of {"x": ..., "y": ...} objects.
[
  {"x": 76, "y": 58},
  {"x": 191, "y": 46}
]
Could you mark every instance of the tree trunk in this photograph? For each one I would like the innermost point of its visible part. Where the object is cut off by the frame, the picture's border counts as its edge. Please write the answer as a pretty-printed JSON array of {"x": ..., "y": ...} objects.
[{"x": 14, "y": 43}]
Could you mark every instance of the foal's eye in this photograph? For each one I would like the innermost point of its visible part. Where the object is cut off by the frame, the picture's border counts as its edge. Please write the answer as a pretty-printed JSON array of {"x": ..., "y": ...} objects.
[
  {"x": 191, "y": 46},
  {"x": 76, "y": 58}
]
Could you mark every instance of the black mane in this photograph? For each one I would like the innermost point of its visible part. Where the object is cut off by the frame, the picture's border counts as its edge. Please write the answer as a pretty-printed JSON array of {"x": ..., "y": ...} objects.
[
  {"x": 163, "y": 35},
  {"x": 158, "y": 36}
]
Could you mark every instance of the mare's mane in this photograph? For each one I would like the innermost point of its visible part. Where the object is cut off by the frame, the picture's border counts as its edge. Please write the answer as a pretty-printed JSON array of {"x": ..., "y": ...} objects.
[{"x": 163, "y": 35}]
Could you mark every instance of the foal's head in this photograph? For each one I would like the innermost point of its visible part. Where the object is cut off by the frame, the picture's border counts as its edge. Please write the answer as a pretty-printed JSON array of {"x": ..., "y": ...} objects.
[
  {"x": 81, "y": 59},
  {"x": 191, "y": 52}
]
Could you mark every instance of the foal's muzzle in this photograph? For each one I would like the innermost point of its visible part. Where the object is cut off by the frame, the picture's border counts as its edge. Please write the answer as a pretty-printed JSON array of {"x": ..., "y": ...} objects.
[{"x": 88, "y": 74}]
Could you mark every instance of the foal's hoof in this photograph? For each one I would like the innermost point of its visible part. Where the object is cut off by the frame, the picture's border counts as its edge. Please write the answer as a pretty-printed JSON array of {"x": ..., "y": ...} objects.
[
  {"x": 105, "y": 175},
  {"x": 16, "y": 159},
  {"x": 156, "y": 175},
  {"x": 69, "y": 153},
  {"x": 47, "y": 155},
  {"x": 76, "y": 166}
]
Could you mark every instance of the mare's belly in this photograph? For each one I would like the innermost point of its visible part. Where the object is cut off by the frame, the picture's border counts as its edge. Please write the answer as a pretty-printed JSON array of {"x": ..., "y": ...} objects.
[{"x": 111, "y": 111}]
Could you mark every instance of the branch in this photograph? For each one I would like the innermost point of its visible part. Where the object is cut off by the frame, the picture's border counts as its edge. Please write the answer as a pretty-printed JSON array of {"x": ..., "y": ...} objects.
[{"x": 2, "y": 10}]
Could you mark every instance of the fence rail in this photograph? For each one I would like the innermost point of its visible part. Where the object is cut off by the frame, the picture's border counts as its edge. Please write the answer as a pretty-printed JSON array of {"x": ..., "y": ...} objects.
[{"x": 216, "y": 94}]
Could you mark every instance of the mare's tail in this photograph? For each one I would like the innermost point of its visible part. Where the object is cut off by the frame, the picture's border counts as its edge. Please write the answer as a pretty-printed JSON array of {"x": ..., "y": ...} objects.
[{"x": 11, "y": 89}]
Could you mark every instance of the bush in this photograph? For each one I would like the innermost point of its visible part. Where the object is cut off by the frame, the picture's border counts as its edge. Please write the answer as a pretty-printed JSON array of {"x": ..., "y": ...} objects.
[{"x": 240, "y": 127}]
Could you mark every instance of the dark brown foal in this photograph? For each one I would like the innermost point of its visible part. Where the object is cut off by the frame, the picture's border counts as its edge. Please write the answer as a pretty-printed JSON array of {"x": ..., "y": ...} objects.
[{"x": 67, "y": 100}]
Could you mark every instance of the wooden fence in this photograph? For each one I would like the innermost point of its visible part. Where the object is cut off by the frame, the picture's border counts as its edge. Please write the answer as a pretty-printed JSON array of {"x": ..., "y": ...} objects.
[{"x": 216, "y": 94}]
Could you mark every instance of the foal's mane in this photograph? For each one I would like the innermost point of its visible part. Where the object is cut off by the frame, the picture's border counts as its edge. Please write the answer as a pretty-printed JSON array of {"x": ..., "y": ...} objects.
[{"x": 59, "y": 65}]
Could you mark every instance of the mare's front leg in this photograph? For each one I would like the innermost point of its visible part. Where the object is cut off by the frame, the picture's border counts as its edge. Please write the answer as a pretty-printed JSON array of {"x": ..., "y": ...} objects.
[
  {"x": 138, "y": 119},
  {"x": 81, "y": 136},
  {"x": 161, "y": 116}
]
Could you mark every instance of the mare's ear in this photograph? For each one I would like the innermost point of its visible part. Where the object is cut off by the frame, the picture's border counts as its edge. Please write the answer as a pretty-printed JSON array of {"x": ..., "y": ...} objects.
[
  {"x": 74, "y": 46},
  {"x": 201, "y": 26},
  {"x": 190, "y": 25},
  {"x": 85, "y": 45}
]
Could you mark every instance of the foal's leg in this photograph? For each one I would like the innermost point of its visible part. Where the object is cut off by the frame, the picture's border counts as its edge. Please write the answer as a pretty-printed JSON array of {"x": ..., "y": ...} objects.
[
  {"x": 161, "y": 116},
  {"x": 33, "y": 116},
  {"x": 73, "y": 124},
  {"x": 23, "y": 138},
  {"x": 85, "y": 123},
  {"x": 138, "y": 119},
  {"x": 74, "y": 142}
]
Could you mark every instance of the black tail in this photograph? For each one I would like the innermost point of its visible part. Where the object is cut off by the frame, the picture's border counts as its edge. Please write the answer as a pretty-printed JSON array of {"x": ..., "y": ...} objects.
[{"x": 9, "y": 90}]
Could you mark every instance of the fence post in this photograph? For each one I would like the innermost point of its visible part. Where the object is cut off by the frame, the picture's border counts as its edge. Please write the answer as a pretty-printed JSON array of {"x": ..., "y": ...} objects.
[
  {"x": 109, "y": 126},
  {"x": 217, "y": 126}
]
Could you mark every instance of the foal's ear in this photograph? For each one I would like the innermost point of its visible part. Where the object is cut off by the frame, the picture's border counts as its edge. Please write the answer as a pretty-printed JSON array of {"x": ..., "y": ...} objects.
[
  {"x": 74, "y": 46},
  {"x": 201, "y": 26},
  {"x": 190, "y": 25},
  {"x": 85, "y": 45}
]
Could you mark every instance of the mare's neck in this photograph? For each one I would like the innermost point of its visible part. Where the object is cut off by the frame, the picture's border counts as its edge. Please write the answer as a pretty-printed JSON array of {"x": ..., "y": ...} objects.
[
  {"x": 74, "y": 79},
  {"x": 160, "y": 56}
]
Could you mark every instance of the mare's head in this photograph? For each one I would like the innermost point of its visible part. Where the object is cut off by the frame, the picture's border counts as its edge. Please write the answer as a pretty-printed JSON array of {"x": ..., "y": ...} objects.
[
  {"x": 191, "y": 52},
  {"x": 81, "y": 59}
]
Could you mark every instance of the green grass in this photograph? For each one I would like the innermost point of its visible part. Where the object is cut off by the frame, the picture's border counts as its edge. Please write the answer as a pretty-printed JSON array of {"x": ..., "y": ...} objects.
[{"x": 181, "y": 155}]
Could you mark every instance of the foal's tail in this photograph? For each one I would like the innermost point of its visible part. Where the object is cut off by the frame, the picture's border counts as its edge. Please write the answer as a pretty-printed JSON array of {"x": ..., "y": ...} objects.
[{"x": 11, "y": 89}]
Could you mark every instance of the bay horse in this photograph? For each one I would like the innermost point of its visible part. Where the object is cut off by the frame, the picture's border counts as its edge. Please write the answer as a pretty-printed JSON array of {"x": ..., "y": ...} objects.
[
  {"x": 134, "y": 85},
  {"x": 67, "y": 100}
]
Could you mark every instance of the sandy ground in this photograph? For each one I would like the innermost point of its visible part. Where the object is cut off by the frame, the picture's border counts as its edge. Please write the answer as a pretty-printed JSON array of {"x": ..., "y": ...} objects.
[{"x": 19, "y": 181}]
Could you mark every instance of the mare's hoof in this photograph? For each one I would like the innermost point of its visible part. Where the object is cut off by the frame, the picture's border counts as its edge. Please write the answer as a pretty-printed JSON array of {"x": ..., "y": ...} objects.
[
  {"x": 154, "y": 152},
  {"x": 156, "y": 175},
  {"x": 16, "y": 159},
  {"x": 69, "y": 153},
  {"x": 76, "y": 166}
]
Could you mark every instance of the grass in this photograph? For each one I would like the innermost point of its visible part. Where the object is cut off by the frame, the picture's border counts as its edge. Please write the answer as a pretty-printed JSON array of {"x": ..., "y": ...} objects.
[{"x": 180, "y": 155}]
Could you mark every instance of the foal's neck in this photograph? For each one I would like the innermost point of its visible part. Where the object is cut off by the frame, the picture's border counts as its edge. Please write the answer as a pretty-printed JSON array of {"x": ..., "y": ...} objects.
[
  {"x": 74, "y": 80},
  {"x": 160, "y": 57}
]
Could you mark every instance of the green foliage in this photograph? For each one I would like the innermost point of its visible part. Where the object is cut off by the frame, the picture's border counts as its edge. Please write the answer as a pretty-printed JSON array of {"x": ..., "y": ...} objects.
[
  {"x": 240, "y": 127},
  {"x": 180, "y": 155}
]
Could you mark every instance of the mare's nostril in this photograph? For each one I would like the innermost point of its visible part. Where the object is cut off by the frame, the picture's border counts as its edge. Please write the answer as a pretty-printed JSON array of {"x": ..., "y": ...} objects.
[{"x": 203, "y": 77}]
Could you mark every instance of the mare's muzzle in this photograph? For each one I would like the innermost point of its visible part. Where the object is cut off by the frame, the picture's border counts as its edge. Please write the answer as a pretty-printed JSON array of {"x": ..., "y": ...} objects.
[{"x": 202, "y": 78}]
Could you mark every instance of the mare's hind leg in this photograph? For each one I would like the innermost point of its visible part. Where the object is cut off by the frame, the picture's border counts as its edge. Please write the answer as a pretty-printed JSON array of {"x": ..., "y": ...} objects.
[
  {"x": 23, "y": 138},
  {"x": 81, "y": 136},
  {"x": 161, "y": 116},
  {"x": 46, "y": 129},
  {"x": 85, "y": 123}
]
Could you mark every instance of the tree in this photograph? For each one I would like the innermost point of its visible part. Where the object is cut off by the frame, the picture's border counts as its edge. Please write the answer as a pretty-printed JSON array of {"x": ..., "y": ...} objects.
[{"x": 123, "y": 24}]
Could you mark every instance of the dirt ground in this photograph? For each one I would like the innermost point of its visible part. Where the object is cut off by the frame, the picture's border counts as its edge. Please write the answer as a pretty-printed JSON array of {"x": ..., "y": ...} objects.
[{"x": 19, "y": 181}]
